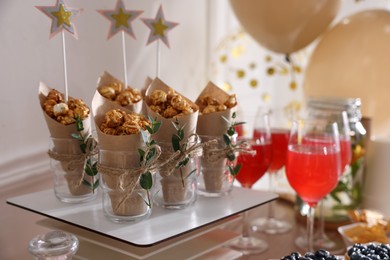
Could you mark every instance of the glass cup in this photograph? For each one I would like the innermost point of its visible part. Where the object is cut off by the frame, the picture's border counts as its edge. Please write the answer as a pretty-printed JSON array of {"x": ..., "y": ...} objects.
[
  {"x": 68, "y": 165},
  {"x": 55, "y": 245},
  {"x": 176, "y": 187},
  {"x": 123, "y": 198},
  {"x": 214, "y": 179}
]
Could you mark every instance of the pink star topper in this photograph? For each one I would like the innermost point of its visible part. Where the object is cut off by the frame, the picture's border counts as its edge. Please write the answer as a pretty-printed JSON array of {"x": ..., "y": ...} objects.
[
  {"x": 120, "y": 19},
  {"x": 61, "y": 16},
  {"x": 159, "y": 27}
]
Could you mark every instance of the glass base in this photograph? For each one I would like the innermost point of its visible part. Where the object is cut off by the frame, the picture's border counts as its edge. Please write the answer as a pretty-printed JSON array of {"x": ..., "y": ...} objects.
[
  {"x": 69, "y": 198},
  {"x": 248, "y": 245},
  {"x": 271, "y": 226},
  {"x": 324, "y": 242},
  {"x": 334, "y": 247}
]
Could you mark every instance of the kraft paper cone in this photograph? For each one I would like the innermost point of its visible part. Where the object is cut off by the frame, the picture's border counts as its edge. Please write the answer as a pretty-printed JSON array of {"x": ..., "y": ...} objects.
[
  {"x": 64, "y": 144},
  {"x": 112, "y": 142},
  {"x": 107, "y": 79},
  {"x": 173, "y": 190},
  {"x": 57, "y": 129},
  {"x": 132, "y": 205},
  {"x": 167, "y": 129},
  {"x": 213, "y": 124}
]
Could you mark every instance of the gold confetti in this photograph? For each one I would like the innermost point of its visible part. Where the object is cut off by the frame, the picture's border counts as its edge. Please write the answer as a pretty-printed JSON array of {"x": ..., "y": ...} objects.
[
  {"x": 223, "y": 59},
  {"x": 293, "y": 85},
  {"x": 297, "y": 69},
  {"x": 265, "y": 97},
  {"x": 240, "y": 74},
  {"x": 253, "y": 83},
  {"x": 270, "y": 71},
  {"x": 252, "y": 65},
  {"x": 238, "y": 51},
  {"x": 268, "y": 58}
]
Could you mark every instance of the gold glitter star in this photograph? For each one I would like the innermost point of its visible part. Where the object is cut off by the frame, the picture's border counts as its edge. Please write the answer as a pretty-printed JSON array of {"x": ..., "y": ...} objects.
[
  {"x": 159, "y": 28},
  {"x": 121, "y": 18},
  {"x": 63, "y": 17}
]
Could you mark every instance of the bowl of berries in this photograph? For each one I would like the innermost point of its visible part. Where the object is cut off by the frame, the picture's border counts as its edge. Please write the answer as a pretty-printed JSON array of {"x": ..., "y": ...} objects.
[
  {"x": 368, "y": 251},
  {"x": 320, "y": 254}
]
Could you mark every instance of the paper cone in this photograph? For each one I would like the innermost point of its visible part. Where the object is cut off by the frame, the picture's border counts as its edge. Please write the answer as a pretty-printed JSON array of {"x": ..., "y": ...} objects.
[
  {"x": 64, "y": 144},
  {"x": 167, "y": 129},
  {"x": 213, "y": 124},
  {"x": 107, "y": 79},
  {"x": 118, "y": 152},
  {"x": 133, "y": 205}
]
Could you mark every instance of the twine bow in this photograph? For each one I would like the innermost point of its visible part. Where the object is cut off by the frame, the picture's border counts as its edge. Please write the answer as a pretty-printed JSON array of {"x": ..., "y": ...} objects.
[
  {"x": 129, "y": 178},
  {"x": 212, "y": 154},
  {"x": 72, "y": 162},
  {"x": 171, "y": 161}
]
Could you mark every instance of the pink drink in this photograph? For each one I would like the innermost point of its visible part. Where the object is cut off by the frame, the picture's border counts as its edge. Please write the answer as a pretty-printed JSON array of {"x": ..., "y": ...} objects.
[
  {"x": 254, "y": 167},
  {"x": 279, "y": 138},
  {"x": 312, "y": 171}
]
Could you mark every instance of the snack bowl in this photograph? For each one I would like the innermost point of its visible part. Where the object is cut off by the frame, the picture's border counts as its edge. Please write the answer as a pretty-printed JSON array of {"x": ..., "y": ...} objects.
[{"x": 362, "y": 233}]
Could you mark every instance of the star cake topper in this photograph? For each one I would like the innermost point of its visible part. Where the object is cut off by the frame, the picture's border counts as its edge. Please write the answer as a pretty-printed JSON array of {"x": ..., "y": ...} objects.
[
  {"x": 120, "y": 19},
  {"x": 61, "y": 16},
  {"x": 159, "y": 27}
]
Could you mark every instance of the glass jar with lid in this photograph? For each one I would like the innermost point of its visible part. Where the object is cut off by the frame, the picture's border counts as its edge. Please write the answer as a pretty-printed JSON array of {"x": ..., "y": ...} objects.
[{"x": 348, "y": 193}]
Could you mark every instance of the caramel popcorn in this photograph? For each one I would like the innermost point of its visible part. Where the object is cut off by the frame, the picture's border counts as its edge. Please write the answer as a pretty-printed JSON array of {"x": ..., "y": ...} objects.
[
  {"x": 64, "y": 113},
  {"x": 169, "y": 104},
  {"x": 211, "y": 105},
  {"x": 118, "y": 122},
  {"x": 123, "y": 97}
]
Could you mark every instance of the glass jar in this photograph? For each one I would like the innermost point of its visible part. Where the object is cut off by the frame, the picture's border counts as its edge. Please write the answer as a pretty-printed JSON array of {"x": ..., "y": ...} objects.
[
  {"x": 176, "y": 186},
  {"x": 73, "y": 183},
  {"x": 215, "y": 179},
  {"x": 124, "y": 200},
  {"x": 348, "y": 193}
]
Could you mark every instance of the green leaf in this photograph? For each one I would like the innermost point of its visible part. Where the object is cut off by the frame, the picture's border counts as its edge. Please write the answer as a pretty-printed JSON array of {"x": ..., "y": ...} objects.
[
  {"x": 156, "y": 126},
  {"x": 146, "y": 181},
  {"x": 77, "y": 136},
  {"x": 141, "y": 154},
  {"x": 86, "y": 183},
  {"x": 88, "y": 170},
  {"x": 235, "y": 170},
  {"x": 96, "y": 184},
  {"x": 176, "y": 142},
  {"x": 83, "y": 147},
  {"x": 79, "y": 124},
  {"x": 152, "y": 152},
  {"x": 231, "y": 156},
  {"x": 227, "y": 139},
  {"x": 180, "y": 133},
  {"x": 234, "y": 115},
  {"x": 239, "y": 123},
  {"x": 231, "y": 131}
]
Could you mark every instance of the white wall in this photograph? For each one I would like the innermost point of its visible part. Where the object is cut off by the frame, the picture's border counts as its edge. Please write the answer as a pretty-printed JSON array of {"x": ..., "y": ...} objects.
[{"x": 27, "y": 56}]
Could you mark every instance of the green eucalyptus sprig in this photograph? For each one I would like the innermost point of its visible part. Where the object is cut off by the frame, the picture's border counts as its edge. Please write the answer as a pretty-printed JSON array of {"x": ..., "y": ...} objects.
[
  {"x": 178, "y": 146},
  {"x": 148, "y": 155},
  {"x": 227, "y": 138},
  {"x": 88, "y": 147}
]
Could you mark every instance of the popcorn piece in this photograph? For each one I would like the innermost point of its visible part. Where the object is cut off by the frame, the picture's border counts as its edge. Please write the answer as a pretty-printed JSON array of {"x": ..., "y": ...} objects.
[
  {"x": 64, "y": 113},
  {"x": 169, "y": 104},
  {"x": 60, "y": 109},
  {"x": 118, "y": 122},
  {"x": 123, "y": 97},
  {"x": 212, "y": 105}
]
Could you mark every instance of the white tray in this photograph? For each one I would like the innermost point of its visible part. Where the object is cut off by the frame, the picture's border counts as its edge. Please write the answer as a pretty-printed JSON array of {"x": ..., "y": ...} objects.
[{"x": 162, "y": 225}]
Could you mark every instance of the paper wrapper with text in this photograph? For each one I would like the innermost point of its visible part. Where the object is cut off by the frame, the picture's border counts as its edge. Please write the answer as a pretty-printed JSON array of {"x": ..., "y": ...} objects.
[{"x": 65, "y": 148}]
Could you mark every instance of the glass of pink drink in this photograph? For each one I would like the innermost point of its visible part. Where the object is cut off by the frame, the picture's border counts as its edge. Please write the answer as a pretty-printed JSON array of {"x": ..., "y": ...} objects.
[
  {"x": 313, "y": 166},
  {"x": 280, "y": 132},
  {"x": 253, "y": 167},
  {"x": 321, "y": 240}
]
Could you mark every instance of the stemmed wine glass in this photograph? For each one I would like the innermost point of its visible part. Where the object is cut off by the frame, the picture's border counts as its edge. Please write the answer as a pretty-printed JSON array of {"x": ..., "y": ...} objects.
[
  {"x": 341, "y": 118},
  {"x": 313, "y": 166},
  {"x": 253, "y": 167},
  {"x": 280, "y": 122}
]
